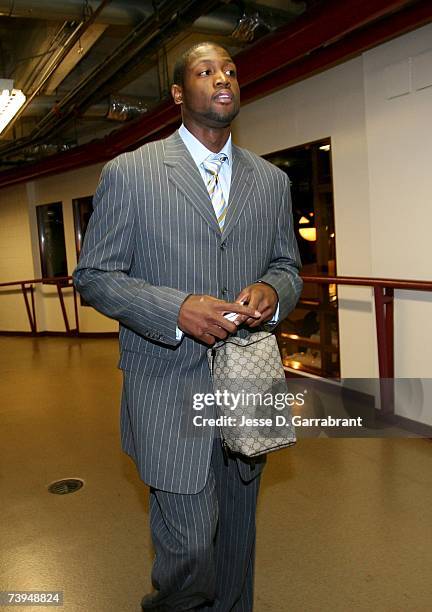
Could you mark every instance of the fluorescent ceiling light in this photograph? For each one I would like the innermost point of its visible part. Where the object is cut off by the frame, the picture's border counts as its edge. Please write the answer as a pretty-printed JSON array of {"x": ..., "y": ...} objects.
[
  {"x": 11, "y": 101},
  {"x": 325, "y": 147}
]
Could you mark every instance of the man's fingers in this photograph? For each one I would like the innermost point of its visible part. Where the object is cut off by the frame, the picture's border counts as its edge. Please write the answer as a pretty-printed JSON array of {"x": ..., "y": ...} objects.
[
  {"x": 242, "y": 298},
  {"x": 240, "y": 309},
  {"x": 218, "y": 332},
  {"x": 226, "y": 324},
  {"x": 202, "y": 316},
  {"x": 207, "y": 338},
  {"x": 255, "y": 322},
  {"x": 266, "y": 316}
]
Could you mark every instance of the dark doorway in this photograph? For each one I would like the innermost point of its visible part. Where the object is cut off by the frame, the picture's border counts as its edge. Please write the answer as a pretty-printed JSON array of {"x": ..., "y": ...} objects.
[{"x": 309, "y": 337}]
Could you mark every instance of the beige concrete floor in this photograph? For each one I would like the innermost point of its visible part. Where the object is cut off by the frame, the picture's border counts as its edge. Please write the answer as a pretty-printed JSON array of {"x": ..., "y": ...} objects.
[{"x": 342, "y": 524}]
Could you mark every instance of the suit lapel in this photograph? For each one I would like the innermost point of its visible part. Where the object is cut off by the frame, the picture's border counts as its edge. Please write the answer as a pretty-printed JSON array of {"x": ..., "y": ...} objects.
[
  {"x": 242, "y": 181},
  {"x": 184, "y": 174},
  {"x": 187, "y": 178}
]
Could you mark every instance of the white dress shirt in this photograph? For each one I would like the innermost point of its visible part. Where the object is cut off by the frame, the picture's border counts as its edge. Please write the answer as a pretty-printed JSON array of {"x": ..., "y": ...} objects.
[{"x": 200, "y": 153}]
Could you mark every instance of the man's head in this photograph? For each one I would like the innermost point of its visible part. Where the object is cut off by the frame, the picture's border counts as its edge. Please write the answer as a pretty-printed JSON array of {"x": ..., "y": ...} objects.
[{"x": 205, "y": 84}]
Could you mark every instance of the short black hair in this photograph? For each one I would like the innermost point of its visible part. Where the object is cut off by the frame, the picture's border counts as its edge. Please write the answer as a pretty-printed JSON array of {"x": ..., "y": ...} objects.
[{"x": 183, "y": 60}]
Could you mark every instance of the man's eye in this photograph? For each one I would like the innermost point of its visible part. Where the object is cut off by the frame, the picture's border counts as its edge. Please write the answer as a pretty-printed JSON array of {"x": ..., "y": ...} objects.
[
  {"x": 207, "y": 72},
  {"x": 231, "y": 72}
]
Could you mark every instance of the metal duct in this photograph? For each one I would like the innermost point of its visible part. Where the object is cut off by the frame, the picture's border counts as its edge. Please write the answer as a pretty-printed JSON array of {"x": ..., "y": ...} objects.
[
  {"x": 230, "y": 21},
  {"x": 123, "y": 108},
  {"x": 247, "y": 25},
  {"x": 117, "y": 107},
  {"x": 42, "y": 150}
]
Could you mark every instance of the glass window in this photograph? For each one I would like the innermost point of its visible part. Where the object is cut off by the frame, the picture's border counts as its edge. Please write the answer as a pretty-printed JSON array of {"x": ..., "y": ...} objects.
[{"x": 51, "y": 240}]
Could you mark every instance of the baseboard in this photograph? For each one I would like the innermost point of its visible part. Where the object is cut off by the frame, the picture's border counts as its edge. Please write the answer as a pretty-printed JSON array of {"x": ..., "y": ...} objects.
[{"x": 61, "y": 334}]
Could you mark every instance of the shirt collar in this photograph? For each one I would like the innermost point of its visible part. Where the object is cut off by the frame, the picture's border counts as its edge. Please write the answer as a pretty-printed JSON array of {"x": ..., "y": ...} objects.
[{"x": 198, "y": 151}]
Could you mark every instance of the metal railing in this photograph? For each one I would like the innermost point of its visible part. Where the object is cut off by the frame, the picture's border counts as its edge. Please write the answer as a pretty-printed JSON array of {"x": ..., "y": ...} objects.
[
  {"x": 27, "y": 288},
  {"x": 383, "y": 289},
  {"x": 384, "y": 309}
]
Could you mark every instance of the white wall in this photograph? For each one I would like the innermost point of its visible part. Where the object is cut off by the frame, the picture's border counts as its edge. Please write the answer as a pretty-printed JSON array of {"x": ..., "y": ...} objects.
[
  {"x": 398, "y": 101},
  {"x": 398, "y": 95},
  {"x": 16, "y": 262}
]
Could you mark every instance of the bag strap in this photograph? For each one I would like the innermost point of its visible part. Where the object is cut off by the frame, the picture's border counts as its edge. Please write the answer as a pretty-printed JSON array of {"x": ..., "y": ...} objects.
[{"x": 248, "y": 345}]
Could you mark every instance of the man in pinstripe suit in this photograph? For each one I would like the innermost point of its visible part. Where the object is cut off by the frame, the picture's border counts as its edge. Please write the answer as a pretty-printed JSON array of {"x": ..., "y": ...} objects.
[{"x": 158, "y": 259}]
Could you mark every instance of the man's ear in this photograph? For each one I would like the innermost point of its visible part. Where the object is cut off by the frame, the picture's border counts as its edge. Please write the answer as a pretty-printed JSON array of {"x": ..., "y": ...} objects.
[{"x": 177, "y": 93}]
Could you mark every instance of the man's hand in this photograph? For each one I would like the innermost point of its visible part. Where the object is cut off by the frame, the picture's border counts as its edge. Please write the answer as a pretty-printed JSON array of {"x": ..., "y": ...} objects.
[
  {"x": 261, "y": 297},
  {"x": 202, "y": 317}
]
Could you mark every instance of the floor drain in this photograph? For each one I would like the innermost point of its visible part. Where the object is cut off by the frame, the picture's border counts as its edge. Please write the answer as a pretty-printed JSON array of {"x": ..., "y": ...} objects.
[{"x": 67, "y": 485}]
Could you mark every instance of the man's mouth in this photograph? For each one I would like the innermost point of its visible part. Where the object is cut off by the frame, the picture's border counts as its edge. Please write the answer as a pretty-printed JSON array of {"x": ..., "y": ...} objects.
[{"x": 223, "y": 96}]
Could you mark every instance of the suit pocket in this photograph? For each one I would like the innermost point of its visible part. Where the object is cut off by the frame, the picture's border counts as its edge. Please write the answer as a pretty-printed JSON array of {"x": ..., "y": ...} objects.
[{"x": 149, "y": 362}]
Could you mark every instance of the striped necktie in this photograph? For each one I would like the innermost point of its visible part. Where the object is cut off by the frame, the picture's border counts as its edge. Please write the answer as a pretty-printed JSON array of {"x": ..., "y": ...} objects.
[{"x": 212, "y": 165}]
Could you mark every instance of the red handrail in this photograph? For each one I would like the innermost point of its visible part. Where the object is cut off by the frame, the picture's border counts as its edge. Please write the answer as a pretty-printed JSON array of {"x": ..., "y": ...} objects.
[
  {"x": 383, "y": 289},
  {"x": 61, "y": 282},
  {"x": 383, "y": 296},
  {"x": 391, "y": 283}
]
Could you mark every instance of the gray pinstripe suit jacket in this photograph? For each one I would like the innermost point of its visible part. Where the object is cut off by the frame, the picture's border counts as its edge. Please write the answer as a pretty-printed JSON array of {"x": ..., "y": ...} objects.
[{"x": 152, "y": 240}]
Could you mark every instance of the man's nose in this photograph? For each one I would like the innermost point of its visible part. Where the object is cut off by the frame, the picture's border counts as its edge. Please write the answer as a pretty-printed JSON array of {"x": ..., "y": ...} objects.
[{"x": 221, "y": 78}]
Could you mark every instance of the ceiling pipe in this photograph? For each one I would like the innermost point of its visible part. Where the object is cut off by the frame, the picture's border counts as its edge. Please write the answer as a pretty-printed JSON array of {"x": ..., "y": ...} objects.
[
  {"x": 164, "y": 118},
  {"x": 80, "y": 49},
  {"x": 118, "y": 13},
  {"x": 227, "y": 18},
  {"x": 44, "y": 104},
  {"x": 58, "y": 58},
  {"x": 40, "y": 47},
  {"x": 141, "y": 42}
]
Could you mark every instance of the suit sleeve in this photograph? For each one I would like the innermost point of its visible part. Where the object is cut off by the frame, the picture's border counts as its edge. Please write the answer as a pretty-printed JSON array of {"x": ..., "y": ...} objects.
[
  {"x": 283, "y": 271},
  {"x": 103, "y": 273}
]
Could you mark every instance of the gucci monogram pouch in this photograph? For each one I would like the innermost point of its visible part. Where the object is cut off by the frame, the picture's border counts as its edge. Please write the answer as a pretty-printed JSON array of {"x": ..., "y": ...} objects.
[{"x": 252, "y": 399}]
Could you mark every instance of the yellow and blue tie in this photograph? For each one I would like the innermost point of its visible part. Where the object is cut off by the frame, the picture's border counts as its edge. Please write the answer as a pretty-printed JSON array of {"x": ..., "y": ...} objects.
[{"x": 213, "y": 165}]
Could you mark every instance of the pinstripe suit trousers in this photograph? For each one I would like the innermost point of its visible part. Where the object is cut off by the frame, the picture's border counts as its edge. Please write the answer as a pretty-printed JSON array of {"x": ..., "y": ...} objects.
[{"x": 205, "y": 542}]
